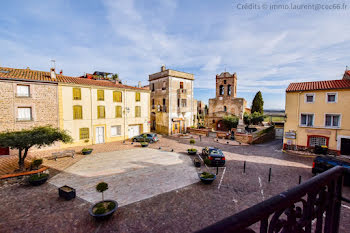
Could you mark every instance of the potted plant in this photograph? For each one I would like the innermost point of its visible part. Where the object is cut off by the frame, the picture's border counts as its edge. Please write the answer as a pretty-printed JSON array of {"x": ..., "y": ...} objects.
[
  {"x": 38, "y": 179},
  {"x": 192, "y": 151},
  {"x": 36, "y": 164},
  {"x": 196, "y": 162},
  {"x": 144, "y": 143},
  {"x": 86, "y": 151},
  {"x": 206, "y": 177},
  {"x": 67, "y": 192},
  {"x": 105, "y": 208}
]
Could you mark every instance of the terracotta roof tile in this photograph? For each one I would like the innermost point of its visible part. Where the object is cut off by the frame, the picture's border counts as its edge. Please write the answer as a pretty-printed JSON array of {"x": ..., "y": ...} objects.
[
  {"x": 319, "y": 85},
  {"x": 28, "y": 74}
]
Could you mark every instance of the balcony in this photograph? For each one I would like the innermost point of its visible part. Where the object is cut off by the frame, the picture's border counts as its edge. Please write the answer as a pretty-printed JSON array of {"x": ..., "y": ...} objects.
[
  {"x": 181, "y": 93},
  {"x": 299, "y": 209}
]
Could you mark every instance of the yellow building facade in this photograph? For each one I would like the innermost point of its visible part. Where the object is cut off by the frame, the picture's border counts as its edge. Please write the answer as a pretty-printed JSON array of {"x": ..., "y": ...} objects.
[
  {"x": 97, "y": 114},
  {"x": 318, "y": 113}
]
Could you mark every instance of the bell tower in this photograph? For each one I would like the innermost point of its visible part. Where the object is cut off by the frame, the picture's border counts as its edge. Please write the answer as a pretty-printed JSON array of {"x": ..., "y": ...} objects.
[{"x": 226, "y": 85}]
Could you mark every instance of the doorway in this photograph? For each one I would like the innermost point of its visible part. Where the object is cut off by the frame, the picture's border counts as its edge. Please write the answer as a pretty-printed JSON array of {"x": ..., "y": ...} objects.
[
  {"x": 345, "y": 146},
  {"x": 100, "y": 135}
]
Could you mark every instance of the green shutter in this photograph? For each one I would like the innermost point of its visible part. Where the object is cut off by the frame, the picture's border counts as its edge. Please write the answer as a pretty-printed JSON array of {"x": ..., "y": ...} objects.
[
  {"x": 76, "y": 94},
  {"x": 100, "y": 95},
  {"x": 117, "y": 96},
  {"x": 84, "y": 133}
]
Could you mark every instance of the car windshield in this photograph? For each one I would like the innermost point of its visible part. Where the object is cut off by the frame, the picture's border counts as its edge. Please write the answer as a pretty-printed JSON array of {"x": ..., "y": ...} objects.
[{"x": 215, "y": 152}]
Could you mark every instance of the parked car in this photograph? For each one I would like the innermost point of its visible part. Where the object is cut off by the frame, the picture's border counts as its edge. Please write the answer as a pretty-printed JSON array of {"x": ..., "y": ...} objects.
[
  {"x": 324, "y": 162},
  {"x": 215, "y": 155},
  {"x": 150, "y": 137}
]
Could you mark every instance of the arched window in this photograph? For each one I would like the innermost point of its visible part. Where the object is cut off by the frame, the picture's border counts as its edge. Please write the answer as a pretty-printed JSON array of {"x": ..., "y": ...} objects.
[
  {"x": 222, "y": 90},
  {"x": 229, "y": 90},
  {"x": 225, "y": 109}
]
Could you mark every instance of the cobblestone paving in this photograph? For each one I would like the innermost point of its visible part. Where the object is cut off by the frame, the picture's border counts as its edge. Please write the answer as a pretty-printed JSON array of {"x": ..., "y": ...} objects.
[{"x": 38, "y": 209}]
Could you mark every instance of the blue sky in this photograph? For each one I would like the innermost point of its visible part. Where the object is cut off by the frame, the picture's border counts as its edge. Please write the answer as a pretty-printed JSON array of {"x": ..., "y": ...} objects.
[{"x": 267, "y": 49}]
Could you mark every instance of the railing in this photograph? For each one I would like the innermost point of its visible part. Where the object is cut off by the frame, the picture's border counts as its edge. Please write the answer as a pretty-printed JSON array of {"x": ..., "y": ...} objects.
[
  {"x": 295, "y": 210},
  {"x": 181, "y": 91}
]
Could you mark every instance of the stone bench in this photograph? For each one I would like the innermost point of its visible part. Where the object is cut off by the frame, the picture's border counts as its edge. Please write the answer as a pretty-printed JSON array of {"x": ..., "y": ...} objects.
[{"x": 61, "y": 154}]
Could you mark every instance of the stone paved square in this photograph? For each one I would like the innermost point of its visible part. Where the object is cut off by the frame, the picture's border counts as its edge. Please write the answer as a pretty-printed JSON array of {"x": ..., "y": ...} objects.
[{"x": 132, "y": 175}]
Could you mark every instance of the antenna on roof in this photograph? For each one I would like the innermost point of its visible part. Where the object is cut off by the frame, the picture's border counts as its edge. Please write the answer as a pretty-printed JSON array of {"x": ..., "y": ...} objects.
[{"x": 53, "y": 64}]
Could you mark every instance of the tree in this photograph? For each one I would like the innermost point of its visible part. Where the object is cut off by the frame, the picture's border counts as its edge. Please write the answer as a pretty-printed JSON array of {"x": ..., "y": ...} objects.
[
  {"x": 247, "y": 119},
  {"x": 25, "y": 139},
  {"x": 258, "y": 103},
  {"x": 230, "y": 121},
  {"x": 254, "y": 118},
  {"x": 101, "y": 187},
  {"x": 115, "y": 77}
]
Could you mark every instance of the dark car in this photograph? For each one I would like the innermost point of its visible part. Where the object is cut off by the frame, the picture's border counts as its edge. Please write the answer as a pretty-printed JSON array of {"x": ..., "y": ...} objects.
[
  {"x": 324, "y": 162},
  {"x": 215, "y": 155},
  {"x": 149, "y": 137}
]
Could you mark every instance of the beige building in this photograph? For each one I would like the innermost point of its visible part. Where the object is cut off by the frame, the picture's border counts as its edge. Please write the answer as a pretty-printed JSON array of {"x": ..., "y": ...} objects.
[
  {"x": 226, "y": 101},
  {"x": 98, "y": 111},
  {"x": 318, "y": 113},
  {"x": 172, "y": 102}
]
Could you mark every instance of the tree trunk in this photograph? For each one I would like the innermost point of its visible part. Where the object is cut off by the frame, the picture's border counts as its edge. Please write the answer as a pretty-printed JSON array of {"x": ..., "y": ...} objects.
[{"x": 22, "y": 158}]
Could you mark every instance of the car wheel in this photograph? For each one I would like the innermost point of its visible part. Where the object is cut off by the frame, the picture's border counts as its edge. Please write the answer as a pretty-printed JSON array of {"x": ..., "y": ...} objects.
[{"x": 134, "y": 140}]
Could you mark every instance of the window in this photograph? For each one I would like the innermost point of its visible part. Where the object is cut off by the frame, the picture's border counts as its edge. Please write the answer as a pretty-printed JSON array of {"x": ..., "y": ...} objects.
[
  {"x": 229, "y": 90},
  {"x": 317, "y": 141},
  {"x": 153, "y": 105},
  {"x": 117, "y": 96},
  {"x": 118, "y": 111},
  {"x": 222, "y": 90},
  {"x": 137, "y": 96},
  {"x": 224, "y": 81},
  {"x": 76, "y": 94},
  {"x": 309, "y": 98},
  {"x": 116, "y": 130},
  {"x": 183, "y": 102},
  {"x": 24, "y": 114},
  {"x": 178, "y": 103},
  {"x": 331, "y": 97},
  {"x": 164, "y": 85},
  {"x": 152, "y": 86},
  {"x": 225, "y": 109},
  {"x": 101, "y": 112},
  {"x": 77, "y": 112},
  {"x": 84, "y": 133},
  {"x": 181, "y": 85},
  {"x": 100, "y": 95},
  {"x": 332, "y": 120},
  {"x": 137, "y": 111},
  {"x": 23, "y": 91},
  {"x": 307, "y": 120}
]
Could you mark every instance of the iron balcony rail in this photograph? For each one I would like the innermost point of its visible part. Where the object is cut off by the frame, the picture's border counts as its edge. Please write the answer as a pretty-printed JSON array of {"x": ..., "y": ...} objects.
[{"x": 293, "y": 210}]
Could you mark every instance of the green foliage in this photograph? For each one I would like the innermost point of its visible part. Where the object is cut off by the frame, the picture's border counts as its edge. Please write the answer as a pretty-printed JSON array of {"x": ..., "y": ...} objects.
[
  {"x": 258, "y": 103},
  {"x": 101, "y": 187},
  {"x": 111, "y": 206},
  {"x": 115, "y": 77},
  {"x": 192, "y": 150},
  {"x": 37, "y": 162},
  {"x": 100, "y": 210},
  {"x": 38, "y": 136},
  {"x": 86, "y": 149},
  {"x": 267, "y": 130},
  {"x": 254, "y": 118},
  {"x": 230, "y": 121},
  {"x": 38, "y": 176},
  {"x": 207, "y": 175},
  {"x": 192, "y": 141},
  {"x": 207, "y": 161}
]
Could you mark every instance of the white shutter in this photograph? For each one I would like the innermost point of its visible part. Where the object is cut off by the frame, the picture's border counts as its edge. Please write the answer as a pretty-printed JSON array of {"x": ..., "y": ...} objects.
[
  {"x": 113, "y": 130},
  {"x": 119, "y": 130},
  {"x": 24, "y": 113},
  {"x": 22, "y": 90}
]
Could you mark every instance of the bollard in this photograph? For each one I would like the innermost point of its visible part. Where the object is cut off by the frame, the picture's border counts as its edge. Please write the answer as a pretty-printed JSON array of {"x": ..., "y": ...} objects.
[
  {"x": 217, "y": 170},
  {"x": 160, "y": 148},
  {"x": 172, "y": 150},
  {"x": 244, "y": 166},
  {"x": 269, "y": 174},
  {"x": 123, "y": 142},
  {"x": 299, "y": 179}
]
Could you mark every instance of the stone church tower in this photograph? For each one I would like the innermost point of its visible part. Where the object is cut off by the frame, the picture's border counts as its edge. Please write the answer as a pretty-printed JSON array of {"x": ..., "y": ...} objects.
[{"x": 226, "y": 101}]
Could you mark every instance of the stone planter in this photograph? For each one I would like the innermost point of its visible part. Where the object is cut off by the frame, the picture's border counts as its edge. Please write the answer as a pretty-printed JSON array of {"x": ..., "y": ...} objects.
[
  {"x": 192, "y": 152},
  {"x": 38, "y": 181},
  {"x": 197, "y": 162},
  {"x": 105, "y": 215},
  {"x": 67, "y": 192},
  {"x": 206, "y": 180},
  {"x": 87, "y": 152}
]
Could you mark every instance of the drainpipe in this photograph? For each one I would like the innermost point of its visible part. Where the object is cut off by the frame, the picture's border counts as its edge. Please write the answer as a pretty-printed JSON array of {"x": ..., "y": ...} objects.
[
  {"x": 92, "y": 128},
  {"x": 298, "y": 117},
  {"x": 124, "y": 114}
]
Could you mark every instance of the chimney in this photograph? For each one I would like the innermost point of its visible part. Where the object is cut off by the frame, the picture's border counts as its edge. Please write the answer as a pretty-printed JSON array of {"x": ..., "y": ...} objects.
[
  {"x": 53, "y": 73},
  {"x": 139, "y": 84},
  {"x": 162, "y": 68}
]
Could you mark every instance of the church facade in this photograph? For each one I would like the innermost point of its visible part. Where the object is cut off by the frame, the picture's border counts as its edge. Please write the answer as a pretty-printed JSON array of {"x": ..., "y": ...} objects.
[{"x": 226, "y": 101}]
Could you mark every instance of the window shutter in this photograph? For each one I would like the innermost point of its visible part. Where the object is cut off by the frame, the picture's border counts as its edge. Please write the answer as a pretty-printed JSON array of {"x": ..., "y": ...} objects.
[
  {"x": 118, "y": 111},
  {"x": 137, "y": 111},
  {"x": 137, "y": 96},
  {"x": 100, "y": 111},
  {"x": 77, "y": 112},
  {"x": 76, "y": 94},
  {"x": 117, "y": 96},
  {"x": 84, "y": 133},
  {"x": 100, "y": 95}
]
